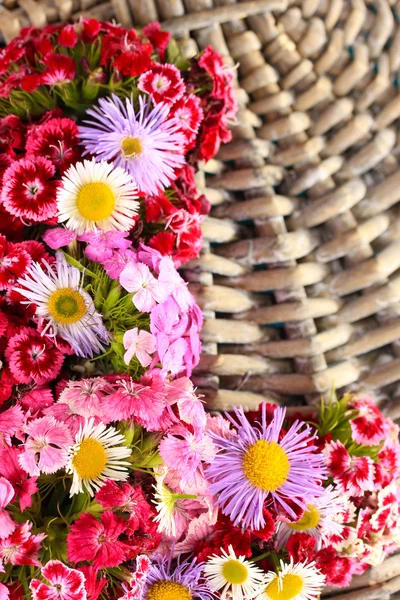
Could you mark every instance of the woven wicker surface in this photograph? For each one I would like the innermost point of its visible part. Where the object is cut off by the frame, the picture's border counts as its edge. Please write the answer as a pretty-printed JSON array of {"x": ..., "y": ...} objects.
[{"x": 299, "y": 277}]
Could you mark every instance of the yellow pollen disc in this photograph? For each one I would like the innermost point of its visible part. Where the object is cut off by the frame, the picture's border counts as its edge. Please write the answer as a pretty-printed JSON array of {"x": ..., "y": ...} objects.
[
  {"x": 266, "y": 465},
  {"x": 95, "y": 201},
  {"x": 90, "y": 459},
  {"x": 235, "y": 572},
  {"x": 132, "y": 147},
  {"x": 291, "y": 587},
  {"x": 66, "y": 306},
  {"x": 309, "y": 520},
  {"x": 168, "y": 590}
]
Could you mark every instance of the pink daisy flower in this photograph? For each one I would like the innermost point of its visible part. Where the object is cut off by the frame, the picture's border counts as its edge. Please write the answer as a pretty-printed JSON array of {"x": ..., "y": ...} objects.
[
  {"x": 137, "y": 279},
  {"x": 21, "y": 547},
  {"x": 7, "y": 525},
  {"x": 63, "y": 583},
  {"x": 14, "y": 261},
  {"x": 135, "y": 400},
  {"x": 140, "y": 344},
  {"x": 29, "y": 191},
  {"x": 46, "y": 447},
  {"x": 33, "y": 357},
  {"x": 163, "y": 83},
  {"x": 60, "y": 69},
  {"x": 85, "y": 397},
  {"x": 353, "y": 474},
  {"x": 24, "y": 487},
  {"x": 97, "y": 541}
]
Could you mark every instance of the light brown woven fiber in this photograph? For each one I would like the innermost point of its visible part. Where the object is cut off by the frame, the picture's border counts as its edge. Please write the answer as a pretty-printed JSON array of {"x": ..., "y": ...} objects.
[{"x": 299, "y": 278}]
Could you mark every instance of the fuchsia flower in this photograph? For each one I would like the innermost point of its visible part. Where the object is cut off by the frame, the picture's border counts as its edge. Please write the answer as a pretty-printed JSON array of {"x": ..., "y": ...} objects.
[
  {"x": 144, "y": 403},
  {"x": 21, "y": 547},
  {"x": 29, "y": 190},
  {"x": 46, "y": 447},
  {"x": 101, "y": 244},
  {"x": 63, "y": 583},
  {"x": 140, "y": 344},
  {"x": 11, "y": 421},
  {"x": 58, "y": 237},
  {"x": 97, "y": 541},
  {"x": 7, "y": 525},
  {"x": 163, "y": 83},
  {"x": 24, "y": 487},
  {"x": 353, "y": 474},
  {"x": 137, "y": 279},
  {"x": 116, "y": 264},
  {"x": 33, "y": 357}
]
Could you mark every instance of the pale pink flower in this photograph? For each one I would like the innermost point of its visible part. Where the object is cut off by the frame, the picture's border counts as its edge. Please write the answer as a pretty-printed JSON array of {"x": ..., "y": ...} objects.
[
  {"x": 4, "y": 591},
  {"x": 140, "y": 344},
  {"x": 7, "y": 525},
  {"x": 177, "y": 286},
  {"x": 46, "y": 447},
  {"x": 85, "y": 397},
  {"x": 64, "y": 583},
  {"x": 58, "y": 237},
  {"x": 190, "y": 407},
  {"x": 63, "y": 413},
  {"x": 137, "y": 279}
]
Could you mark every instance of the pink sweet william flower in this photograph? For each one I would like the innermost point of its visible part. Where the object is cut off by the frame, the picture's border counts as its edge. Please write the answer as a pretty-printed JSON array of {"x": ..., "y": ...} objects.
[
  {"x": 46, "y": 447},
  {"x": 140, "y": 344},
  {"x": 388, "y": 467},
  {"x": 135, "y": 400},
  {"x": 21, "y": 547},
  {"x": 370, "y": 427},
  {"x": 85, "y": 397},
  {"x": 7, "y": 525},
  {"x": 102, "y": 243},
  {"x": 11, "y": 421},
  {"x": 58, "y": 237},
  {"x": 163, "y": 83},
  {"x": 137, "y": 279},
  {"x": 353, "y": 474},
  {"x": 138, "y": 579},
  {"x": 128, "y": 498},
  {"x": 97, "y": 541},
  {"x": 24, "y": 487},
  {"x": 63, "y": 583},
  {"x": 190, "y": 407}
]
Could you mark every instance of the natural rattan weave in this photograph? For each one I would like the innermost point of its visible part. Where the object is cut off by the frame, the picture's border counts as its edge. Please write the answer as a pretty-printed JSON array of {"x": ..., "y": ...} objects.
[{"x": 299, "y": 278}]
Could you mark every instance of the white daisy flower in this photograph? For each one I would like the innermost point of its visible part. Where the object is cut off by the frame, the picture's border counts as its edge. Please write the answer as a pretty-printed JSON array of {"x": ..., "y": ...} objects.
[
  {"x": 319, "y": 520},
  {"x": 298, "y": 581},
  {"x": 233, "y": 574},
  {"x": 97, "y": 195},
  {"x": 97, "y": 455},
  {"x": 63, "y": 308}
]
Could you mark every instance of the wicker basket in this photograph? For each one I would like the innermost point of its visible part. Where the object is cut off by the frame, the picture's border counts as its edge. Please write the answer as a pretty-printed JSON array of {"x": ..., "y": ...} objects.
[{"x": 299, "y": 276}]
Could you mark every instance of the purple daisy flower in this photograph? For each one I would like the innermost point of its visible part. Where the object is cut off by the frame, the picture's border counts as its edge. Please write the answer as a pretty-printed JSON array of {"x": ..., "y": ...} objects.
[
  {"x": 254, "y": 465},
  {"x": 145, "y": 143},
  {"x": 184, "y": 581}
]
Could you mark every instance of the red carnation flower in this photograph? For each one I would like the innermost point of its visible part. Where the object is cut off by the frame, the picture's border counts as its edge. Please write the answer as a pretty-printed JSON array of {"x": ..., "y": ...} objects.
[
  {"x": 337, "y": 569},
  {"x": 28, "y": 191},
  {"x": 188, "y": 113},
  {"x": 12, "y": 134},
  {"x": 14, "y": 261},
  {"x": 163, "y": 83},
  {"x": 56, "y": 140},
  {"x": 300, "y": 547},
  {"x": 159, "y": 39},
  {"x": 32, "y": 357},
  {"x": 129, "y": 55},
  {"x": 90, "y": 30},
  {"x": 60, "y": 69},
  {"x": 97, "y": 541},
  {"x": 68, "y": 37},
  {"x": 93, "y": 585},
  {"x": 37, "y": 251}
]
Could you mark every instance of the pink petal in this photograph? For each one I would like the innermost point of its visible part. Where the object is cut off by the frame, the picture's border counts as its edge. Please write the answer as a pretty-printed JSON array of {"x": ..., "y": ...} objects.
[
  {"x": 58, "y": 237},
  {"x": 6, "y": 492},
  {"x": 4, "y": 592},
  {"x": 7, "y": 525},
  {"x": 143, "y": 300},
  {"x": 143, "y": 357},
  {"x": 147, "y": 342}
]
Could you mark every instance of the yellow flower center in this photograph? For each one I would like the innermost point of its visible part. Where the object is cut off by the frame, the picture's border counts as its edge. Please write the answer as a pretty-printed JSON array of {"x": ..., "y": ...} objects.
[
  {"x": 235, "y": 572},
  {"x": 168, "y": 590},
  {"x": 90, "y": 460},
  {"x": 95, "y": 201},
  {"x": 291, "y": 586},
  {"x": 66, "y": 306},
  {"x": 132, "y": 147},
  {"x": 266, "y": 465},
  {"x": 309, "y": 520}
]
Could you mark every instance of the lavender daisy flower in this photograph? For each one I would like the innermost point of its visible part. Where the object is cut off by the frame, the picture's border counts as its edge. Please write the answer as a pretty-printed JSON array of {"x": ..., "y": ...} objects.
[
  {"x": 182, "y": 582},
  {"x": 255, "y": 465},
  {"x": 145, "y": 143}
]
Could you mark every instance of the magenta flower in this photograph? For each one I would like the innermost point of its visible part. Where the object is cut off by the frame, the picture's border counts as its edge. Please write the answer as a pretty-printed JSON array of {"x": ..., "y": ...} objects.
[
  {"x": 7, "y": 525},
  {"x": 114, "y": 265},
  {"x": 58, "y": 237},
  {"x": 64, "y": 583},
  {"x": 140, "y": 344},
  {"x": 144, "y": 403},
  {"x": 102, "y": 243},
  {"x": 137, "y": 279},
  {"x": 46, "y": 448}
]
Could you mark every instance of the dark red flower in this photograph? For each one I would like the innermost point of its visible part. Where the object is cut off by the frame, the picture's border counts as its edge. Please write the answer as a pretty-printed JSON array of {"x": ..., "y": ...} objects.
[
  {"x": 337, "y": 569},
  {"x": 128, "y": 54},
  {"x": 14, "y": 261},
  {"x": 159, "y": 39},
  {"x": 12, "y": 134},
  {"x": 29, "y": 191},
  {"x": 33, "y": 358},
  {"x": 90, "y": 30},
  {"x": 300, "y": 547},
  {"x": 56, "y": 140},
  {"x": 68, "y": 37}
]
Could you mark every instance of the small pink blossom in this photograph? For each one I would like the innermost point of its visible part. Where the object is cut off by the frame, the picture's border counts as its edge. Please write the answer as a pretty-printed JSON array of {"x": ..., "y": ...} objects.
[
  {"x": 102, "y": 243},
  {"x": 58, "y": 237},
  {"x": 190, "y": 407},
  {"x": 137, "y": 279},
  {"x": 178, "y": 287},
  {"x": 11, "y": 421},
  {"x": 46, "y": 448},
  {"x": 85, "y": 397},
  {"x": 134, "y": 400},
  {"x": 114, "y": 265},
  {"x": 21, "y": 547},
  {"x": 140, "y": 344},
  {"x": 7, "y": 525},
  {"x": 63, "y": 583}
]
